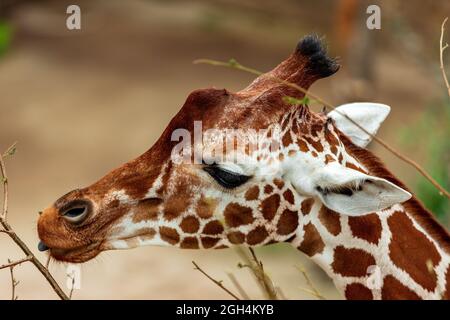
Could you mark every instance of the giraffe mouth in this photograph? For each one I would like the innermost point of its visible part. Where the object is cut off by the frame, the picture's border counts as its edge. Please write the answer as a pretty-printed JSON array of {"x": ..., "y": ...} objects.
[{"x": 78, "y": 254}]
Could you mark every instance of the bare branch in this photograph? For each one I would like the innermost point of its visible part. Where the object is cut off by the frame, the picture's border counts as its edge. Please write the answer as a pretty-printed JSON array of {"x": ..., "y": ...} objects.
[
  {"x": 11, "y": 150},
  {"x": 235, "y": 65},
  {"x": 14, "y": 282},
  {"x": 257, "y": 268},
  {"x": 8, "y": 230},
  {"x": 72, "y": 286},
  {"x": 441, "y": 55},
  {"x": 218, "y": 283},
  {"x": 4, "y": 180},
  {"x": 15, "y": 263}
]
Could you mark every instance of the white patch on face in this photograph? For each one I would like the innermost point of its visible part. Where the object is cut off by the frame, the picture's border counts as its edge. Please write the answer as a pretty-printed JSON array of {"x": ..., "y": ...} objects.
[
  {"x": 117, "y": 195},
  {"x": 157, "y": 184}
]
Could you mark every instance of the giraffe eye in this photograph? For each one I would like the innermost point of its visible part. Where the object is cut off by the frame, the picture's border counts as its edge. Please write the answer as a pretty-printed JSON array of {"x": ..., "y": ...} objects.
[
  {"x": 76, "y": 211},
  {"x": 226, "y": 178}
]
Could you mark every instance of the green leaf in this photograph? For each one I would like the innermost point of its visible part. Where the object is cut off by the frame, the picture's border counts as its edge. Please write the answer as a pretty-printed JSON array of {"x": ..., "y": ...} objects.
[
  {"x": 5, "y": 37},
  {"x": 233, "y": 62},
  {"x": 294, "y": 101}
]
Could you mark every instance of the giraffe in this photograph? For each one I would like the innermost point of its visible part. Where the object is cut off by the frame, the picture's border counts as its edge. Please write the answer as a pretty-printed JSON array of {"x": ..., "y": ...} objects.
[{"x": 319, "y": 189}]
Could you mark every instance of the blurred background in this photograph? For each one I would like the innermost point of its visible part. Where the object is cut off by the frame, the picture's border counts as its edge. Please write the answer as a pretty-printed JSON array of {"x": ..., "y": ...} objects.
[{"x": 82, "y": 102}]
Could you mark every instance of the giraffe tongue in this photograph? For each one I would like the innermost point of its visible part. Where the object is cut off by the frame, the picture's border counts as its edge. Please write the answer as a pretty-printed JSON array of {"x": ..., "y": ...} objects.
[{"x": 42, "y": 246}]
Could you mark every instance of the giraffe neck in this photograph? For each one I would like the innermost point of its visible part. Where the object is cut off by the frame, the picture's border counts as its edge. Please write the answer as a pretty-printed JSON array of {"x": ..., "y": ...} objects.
[{"x": 383, "y": 255}]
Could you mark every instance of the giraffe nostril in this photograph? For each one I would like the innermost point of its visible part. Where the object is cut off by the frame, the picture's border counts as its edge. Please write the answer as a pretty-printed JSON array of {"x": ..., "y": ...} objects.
[{"x": 42, "y": 246}]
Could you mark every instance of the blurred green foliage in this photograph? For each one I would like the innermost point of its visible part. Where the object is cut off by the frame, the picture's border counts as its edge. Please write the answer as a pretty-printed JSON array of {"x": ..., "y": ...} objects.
[
  {"x": 5, "y": 37},
  {"x": 431, "y": 136}
]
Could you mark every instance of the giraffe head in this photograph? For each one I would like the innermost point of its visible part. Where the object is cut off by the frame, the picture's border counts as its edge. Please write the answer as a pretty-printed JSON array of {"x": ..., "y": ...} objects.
[{"x": 230, "y": 168}]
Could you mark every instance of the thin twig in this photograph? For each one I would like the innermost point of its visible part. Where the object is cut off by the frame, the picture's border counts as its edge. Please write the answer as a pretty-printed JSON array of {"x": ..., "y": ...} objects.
[
  {"x": 218, "y": 283},
  {"x": 47, "y": 264},
  {"x": 235, "y": 65},
  {"x": 238, "y": 286},
  {"x": 313, "y": 291},
  {"x": 4, "y": 179},
  {"x": 8, "y": 229},
  {"x": 72, "y": 286},
  {"x": 14, "y": 283},
  {"x": 35, "y": 261},
  {"x": 10, "y": 151},
  {"x": 441, "y": 55},
  {"x": 15, "y": 263},
  {"x": 262, "y": 278}
]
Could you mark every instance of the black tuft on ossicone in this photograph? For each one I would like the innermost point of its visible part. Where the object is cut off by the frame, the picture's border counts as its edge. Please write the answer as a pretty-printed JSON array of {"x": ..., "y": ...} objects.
[{"x": 318, "y": 62}]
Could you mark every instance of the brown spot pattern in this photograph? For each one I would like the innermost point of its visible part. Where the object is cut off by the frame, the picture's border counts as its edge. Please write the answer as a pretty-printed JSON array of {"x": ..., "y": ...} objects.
[
  {"x": 315, "y": 144},
  {"x": 367, "y": 227},
  {"x": 146, "y": 210},
  {"x": 307, "y": 205},
  {"x": 269, "y": 206},
  {"x": 357, "y": 291},
  {"x": 279, "y": 183},
  {"x": 257, "y": 235},
  {"x": 287, "y": 139},
  {"x": 331, "y": 220},
  {"x": 351, "y": 262},
  {"x": 209, "y": 242},
  {"x": 252, "y": 193},
  {"x": 174, "y": 207},
  {"x": 237, "y": 215},
  {"x": 190, "y": 224},
  {"x": 169, "y": 235},
  {"x": 236, "y": 237},
  {"x": 146, "y": 233},
  {"x": 189, "y": 243},
  {"x": 288, "y": 222},
  {"x": 268, "y": 189},
  {"x": 205, "y": 207},
  {"x": 288, "y": 196},
  {"x": 328, "y": 159},
  {"x": 213, "y": 227},
  {"x": 312, "y": 241},
  {"x": 303, "y": 146},
  {"x": 395, "y": 290},
  {"x": 410, "y": 250}
]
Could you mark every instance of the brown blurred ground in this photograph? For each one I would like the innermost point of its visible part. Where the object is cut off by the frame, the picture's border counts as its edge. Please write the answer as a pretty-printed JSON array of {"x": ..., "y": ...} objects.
[{"x": 83, "y": 102}]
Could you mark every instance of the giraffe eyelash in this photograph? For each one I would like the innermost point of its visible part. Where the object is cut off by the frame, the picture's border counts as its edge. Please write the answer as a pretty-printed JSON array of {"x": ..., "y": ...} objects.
[
  {"x": 226, "y": 178},
  {"x": 346, "y": 190}
]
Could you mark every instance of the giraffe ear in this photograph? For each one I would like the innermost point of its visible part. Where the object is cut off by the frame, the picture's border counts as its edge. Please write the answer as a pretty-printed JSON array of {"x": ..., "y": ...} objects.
[
  {"x": 368, "y": 115},
  {"x": 354, "y": 193}
]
